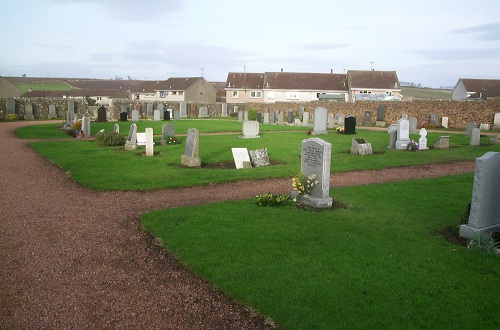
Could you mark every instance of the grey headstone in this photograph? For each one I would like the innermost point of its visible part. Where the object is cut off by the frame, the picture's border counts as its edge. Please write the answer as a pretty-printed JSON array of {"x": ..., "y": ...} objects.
[
  {"x": 266, "y": 117},
  {"x": 485, "y": 208},
  {"x": 161, "y": 107},
  {"x": 250, "y": 129},
  {"x": 203, "y": 112},
  {"x": 52, "y": 111},
  {"x": 367, "y": 118},
  {"x": 403, "y": 134},
  {"x": 475, "y": 137},
  {"x": 177, "y": 114},
  {"x": 224, "y": 110},
  {"x": 28, "y": 111},
  {"x": 496, "y": 121},
  {"x": 259, "y": 117},
  {"x": 135, "y": 115},
  {"x": 392, "y": 130},
  {"x": 71, "y": 106},
  {"x": 156, "y": 115},
  {"x": 280, "y": 118},
  {"x": 380, "y": 113},
  {"x": 235, "y": 109},
  {"x": 167, "y": 131},
  {"x": 433, "y": 119},
  {"x": 301, "y": 112},
  {"x": 240, "y": 116},
  {"x": 149, "y": 110},
  {"x": 305, "y": 118},
  {"x": 442, "y": 142},
  {"x": 259, "y": 157},
  {"x": 413, "y": 125},
  {"x": 245, "y": 115},
  {"x": 319, "y": 125},
  {"x": 331, "y": 123},
  {"x": 183, "y": 110},
  {"x": 190, "y": 157},
  {"x": 86, "y": 126},
  {"x": 290, "y": 117},
  {"x": 10, "y": 105},
  {"x": 469, "y": 127},
  {"x": 131, "y": 143}
]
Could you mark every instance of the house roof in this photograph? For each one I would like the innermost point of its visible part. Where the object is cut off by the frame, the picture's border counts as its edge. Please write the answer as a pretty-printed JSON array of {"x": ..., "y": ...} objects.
[
  {"x": 373, "y": 79},
  {"x": 245, "y": 80},
  {"x": 146, "y": 87},
  {"x": 482, "y": 88},
  {"x": 77, "y": 93},
  {"x": 171, "y": 84},
  {"x": 8, "y": 89},
  {"x": 305, "y": 81}
]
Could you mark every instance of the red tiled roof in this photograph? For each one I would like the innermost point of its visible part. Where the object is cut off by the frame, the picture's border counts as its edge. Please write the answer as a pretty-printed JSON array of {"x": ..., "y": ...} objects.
[
  {"x": 76, "y": 93},
  {"x": 305, "y": 81},
  {"x": 482, "y": 87},
  {"x": 373, "y": 79},
  {"x": 244, "y": 80}
]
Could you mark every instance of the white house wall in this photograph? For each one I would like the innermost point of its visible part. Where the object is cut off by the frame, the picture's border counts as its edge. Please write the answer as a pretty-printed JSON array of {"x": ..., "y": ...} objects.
[{"x": 460, "y": 92}]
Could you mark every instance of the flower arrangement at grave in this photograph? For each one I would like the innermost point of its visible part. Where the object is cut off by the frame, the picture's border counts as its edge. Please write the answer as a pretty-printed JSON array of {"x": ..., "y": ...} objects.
[
  {"x": 412, "y": 146},
  {"x": 340, "y": 130},
  {"x": 172, "y": 140},
  {"x": 304, "y": 184}
]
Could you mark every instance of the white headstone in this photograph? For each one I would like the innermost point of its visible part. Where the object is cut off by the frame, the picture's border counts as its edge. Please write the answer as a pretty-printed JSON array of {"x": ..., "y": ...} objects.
[
  {"x": 319, "y": 125},
  {"x": 331, "y": 123},
  {"x": 496, "y": 121},
  {"x": 240, "y": 116},
  {"x": 149, "y": 141},
  {"x": 241, "y": 158},
  {"x": 86, "y": 126},
  {"x": 250, "y": 129},
  {"x": 141, "y": 139},
  {"x": 305, "y": 118},
  {"x": 135, "y": 115},
  {"x": 403, "y": 134},
  {"x": 422, "y": 141},
  {"x": 475, "y": 137},
  {"x": 157, "y": 115},
  {"x": 444, "y": 122},
  {"x": 484, "y": 127},
  {"x": 116, "y": 128}
]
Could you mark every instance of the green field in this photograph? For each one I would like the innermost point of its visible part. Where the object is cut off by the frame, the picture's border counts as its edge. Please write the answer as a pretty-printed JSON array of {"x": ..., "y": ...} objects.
[
  {"x": 43, "y": 86},
  {"x": 425, "y": 93}
]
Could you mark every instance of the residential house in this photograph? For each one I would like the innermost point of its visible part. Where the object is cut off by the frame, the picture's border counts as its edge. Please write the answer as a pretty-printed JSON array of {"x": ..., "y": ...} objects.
[
  {"x": 189, "y": 89},
  {"x": 373, "y": 85},
  {"x": 475, "y": 89},
  {"x": 243, "y": 87}
]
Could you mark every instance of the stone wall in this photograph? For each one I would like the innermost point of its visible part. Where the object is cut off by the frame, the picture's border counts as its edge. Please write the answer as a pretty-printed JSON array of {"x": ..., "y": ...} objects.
[{"x": 458, "y": 112}]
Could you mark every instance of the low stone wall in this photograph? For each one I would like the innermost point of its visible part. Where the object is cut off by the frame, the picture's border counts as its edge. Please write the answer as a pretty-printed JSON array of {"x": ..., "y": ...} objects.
[{"x": 459, "y": 112}]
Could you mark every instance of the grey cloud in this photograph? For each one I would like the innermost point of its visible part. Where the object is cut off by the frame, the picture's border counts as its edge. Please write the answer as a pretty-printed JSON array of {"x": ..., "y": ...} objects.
[
  {"x": 463, "y": 54},
  {"x": 489, "y": 31}
]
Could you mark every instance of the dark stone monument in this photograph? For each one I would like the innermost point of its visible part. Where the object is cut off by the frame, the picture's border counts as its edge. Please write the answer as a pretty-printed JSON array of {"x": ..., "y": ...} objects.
[
  {"x": 433, "y": 119},
  {"x": 350, "y": 125},
  {"x": 123, "y": 116},
  {"x": 259, "y": 117},
  {"x": 166, "y": 115},
  {"x": 101, "y": 114},
  {"x": 290, "y": 117}
]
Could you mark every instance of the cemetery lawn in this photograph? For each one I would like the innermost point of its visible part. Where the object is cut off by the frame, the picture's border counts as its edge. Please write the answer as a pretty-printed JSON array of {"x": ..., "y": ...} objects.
[
  {"x": 112, "y": 168},
  {"x": 379, "y": 264}
]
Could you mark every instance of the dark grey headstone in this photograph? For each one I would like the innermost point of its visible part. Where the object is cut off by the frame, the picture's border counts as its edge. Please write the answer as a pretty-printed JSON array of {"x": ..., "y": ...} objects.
[
  {"x": 380, "y": 113},
  {"x": 469, "y": 127},
  {"x": 290, "y": 117},
  {"x": 10, "y": 105},
  {"x": 101, "y": 114},
  {"x": 433, "y": 119},
  {"x": 350, "y": 125}
]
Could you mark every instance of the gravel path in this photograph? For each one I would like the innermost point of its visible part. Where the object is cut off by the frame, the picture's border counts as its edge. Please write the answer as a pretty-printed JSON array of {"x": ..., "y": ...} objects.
[{"x": 71, "y": 258}]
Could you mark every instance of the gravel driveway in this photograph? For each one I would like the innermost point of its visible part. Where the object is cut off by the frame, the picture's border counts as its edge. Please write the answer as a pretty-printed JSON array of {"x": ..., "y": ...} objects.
[{"x": 71, "y": 258}]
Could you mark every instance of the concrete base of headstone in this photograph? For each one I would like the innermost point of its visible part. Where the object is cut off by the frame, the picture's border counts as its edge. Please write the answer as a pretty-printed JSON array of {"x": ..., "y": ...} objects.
[
  {"x": 361, "y": 147},
  {"x": 316, "y": 202},
  {"x": 402, "y": 145},
  {"x": 190, "y": 161},
  {"x": 130, "y": 146},
  {"x": 380, "y": 123}
]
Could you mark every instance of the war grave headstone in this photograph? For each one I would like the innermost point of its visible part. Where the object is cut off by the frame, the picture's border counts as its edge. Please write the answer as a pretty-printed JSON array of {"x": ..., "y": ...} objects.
[
  {"x": 380, "y": 116},
  {"x": 392, "y": 130},
  {"x": 190, "y": 157},
  {"x": 259, "y": 157},
  {"x": 177, "y": 114},
  {"x": 350, "y": 125},
  {"x": 149, "y": 110},
  {"x": 141, "y": 139},
  {"x": 280, "y": 118},
  {"x": 433, "y": 119},
  {"x": 149, "y": 141},
  {"x": 442, "y": 142},
  {"x": 475, "y": 137},
  {"x": 135, "y": 115},
  {"x": 240, "y": 116},
  {"x": 360, "y": 146},
  {"x": 10, "y": 106},
  {"x": 315, "y": 160},
  {"x": 224, "y": 112},
  {"x": 259, "y": 117},
  {"x": 131, "y": 143},
  {"x": 203, "y": 112},
  {"x": 331, "y": 118},
  {"x": 469, "y": 127},
  {"x": 496, "y": 121},
  {"x": 413, "y": 125},
  {"x": 86, "y": 126},
  {"x": 101, "y": 114},
  {"x": 368, "y": 118},
  {"x": 403, "y": 134},
  {"x": 422, "y": 141},
  {"x": 183, "y": 110},
  {"x": 290, "y": 117},
  {"x": 28, "y": 111},
  {"x": 156, "y": 115},
  {"x": 485, "y": 209},
  {"x": 319, "y": 125},
  {"x": 52, "y": 111},
  {"x": 116, "y": 128},
  {"x": 250, "y": 129},
  {"x": 444, "y": 122},
  {"x": 241, "y": 158},
  {"x": 167, "y": 131},
  {"x": 484, "y": 127}
]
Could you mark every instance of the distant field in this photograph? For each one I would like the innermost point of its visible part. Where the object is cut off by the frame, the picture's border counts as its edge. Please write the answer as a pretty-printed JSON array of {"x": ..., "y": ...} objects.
[
  {"x": 43, "y": 86},
  {"x": 425, "y": 93}
]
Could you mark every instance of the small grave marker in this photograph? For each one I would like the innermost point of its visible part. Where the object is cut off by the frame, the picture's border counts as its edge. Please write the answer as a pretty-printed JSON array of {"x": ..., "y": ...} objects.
[
  {"x": 241, "y": 158},
  {"x": 259, "y": 157},
  {"x": 422, "y": 141},
  {"x": 442, "y": 142}
]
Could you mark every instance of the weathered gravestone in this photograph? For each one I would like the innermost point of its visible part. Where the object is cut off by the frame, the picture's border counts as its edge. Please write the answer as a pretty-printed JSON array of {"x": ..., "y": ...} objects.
[
  {"x": 156, "y": 115},
  {"x": 413, "y": 125},
  {"x": 433, "y": 119},
  {"x": 224, "y": 110},
  {"x": 496, "y": 121},
  {"x": 135, "y": 115},
  {"x": 331, "y": 122},
  {"x": 52, "y": 111},
  {"x": 241, "y": 158},
  {"x": 177, "y": 114},
  {"x": 183, "y": 110},
  {"x": 240, "y": 116},
  {"x": 167, "y": 131},
  {"x": 319, "y": 125},
  {"x": 442, "y": 142},
  {"x": 475, "y": 137},
  {"x": 116, "y": 128},
  {"x": 161, "y": 107},
  {"x": 305, "y": 118},
  {"x": 444, "y": 122},
  {"x": 368, "y": 118},
  {"x": 131, "y": 143},
  {"x": 86, "y": 125},
  {"x": 485, "y": 207},
  {"x": 380, "y": 116},
  {"x": 101, "y": 114},
  {"x": 422, "y": 141},
  {"x": 190, "y": 157},
  {"x": 392, "y": 130},
  {"x": 250, "y": 129},
  {"x": 360, "y": 146},
  {"x": 301, "y": 112},
  {"x": 350, "y": 125},
  {"x": 403, "y": 134},
  {"x": 10, "y": 106},
  {"x": 274, "y": 116},
  {"x": 259, "y": 157},
  {"x": 203, "y": 112},
  {"x": 469, "y": 127},
  {"x": 149, "y": 110},
  {"x": 290, "y": 117},
  {"x": 28, "y": 111},
  {"x": 71, "y": 106},
  {"x": 149, "y": 142},
  {"x": 315, "y": 161},
  {"x": 280, "y": 118},
  {"x": 484, "y": 127},
  {"x": 266, "y": 116}
]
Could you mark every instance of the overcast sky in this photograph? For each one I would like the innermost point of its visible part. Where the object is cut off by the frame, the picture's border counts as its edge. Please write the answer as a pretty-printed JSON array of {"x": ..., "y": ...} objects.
[{"x": 432, "y": 42}]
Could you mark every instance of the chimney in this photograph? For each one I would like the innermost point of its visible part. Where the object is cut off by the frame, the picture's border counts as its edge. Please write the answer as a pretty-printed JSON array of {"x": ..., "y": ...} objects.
[
  {"x": 331, "y": 70},
  {"x": 281, "y": 69}
]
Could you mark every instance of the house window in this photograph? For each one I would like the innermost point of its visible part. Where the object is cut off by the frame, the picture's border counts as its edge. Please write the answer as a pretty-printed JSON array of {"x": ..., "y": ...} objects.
[
  {"x": 174, "y": 93},
  {"x": 162, "y": 94},
  {"x": 292, "y": 95},
  {"x": 235, "y": 94},
  {"x": 180, "y": 93},
  {"x": 255, "y": 94}
]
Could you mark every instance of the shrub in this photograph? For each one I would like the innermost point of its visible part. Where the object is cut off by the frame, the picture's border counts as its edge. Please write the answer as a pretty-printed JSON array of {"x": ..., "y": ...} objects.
[
  {"x": 11, "y": 117},
  {"x": 269, "y": 199},
  {"x": 76, "y": 126},
  {"x": 109, "y": 138},
  {"x": 252, "y": 114}
]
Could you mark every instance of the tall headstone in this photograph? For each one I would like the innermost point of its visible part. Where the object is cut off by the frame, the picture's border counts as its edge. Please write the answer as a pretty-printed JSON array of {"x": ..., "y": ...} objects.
[
  {"x": 167, "y": 131},
  {"x": 177, "y": 114},
  {"x": 135, "y": 115},
  {"x": 290, "y": 117},
  {"x": 341, "y": 119},
  {"x": 10, "y": 106},
  {"x": 116, "y": 128},
  {"x": 319, "y": 125},
  {"x": 167, "y": 114},
  {"x": 301, "y": 112},
  {"x": 266, "y": 116},
  {"x": 485, "y": 209},
  {"x": 315, "y": 160},
  {"x": 240, "y": 116},
  {"x": 422, "y": 141},
  {"x": 190, "y": 157},
  {"x": 245, "y": 115},
  {"x": 156, "y": 115},
  {"x": 413, "y": 125},
  {"x": 280, "y": 118},
  {"x": 444, "y": 122},
  {"x": 274, "y": 117},
  {"x": 149, "y": 141},
  {"x": 259, "y": 117},
  {"x": 380, "y": 116},
  {"x": 149, "y": 110},
  {"x": 250, "y": 129},
  {"x": 392, "y": 130},
  {"x": 475, "y": 137},
  {"x": 350, "y": 125},
  {"x": 469, "y": 127},
  {"x": 86, "y": 125},
  {"x": 101, "y": 114},
  {"x": 368, "y": 118},
  {"x": 496, "y": 121},
  {"x": 28, "y": 111},
  {"x": 403, "y": 134},
  {"x": 183, "y": 110},
  {"x": 71, "y": 106},
  {"x": 131, "y": 143},
  {"x": 331, "y": 123},
  {"x": 305, "y": 118},
  {"x": 161, "y": 107},
  {"x": 224, "y": 110},
  {"x": 52, "y": 111}
]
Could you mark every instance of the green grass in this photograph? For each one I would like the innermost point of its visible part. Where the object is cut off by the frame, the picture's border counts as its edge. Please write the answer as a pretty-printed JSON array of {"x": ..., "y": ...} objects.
[
  {"x": 45, "y": 86},
  {"x": 113, "y": 168},
  {"x": 426, "y": 93},
  {"x": 375, "y": 265}
]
